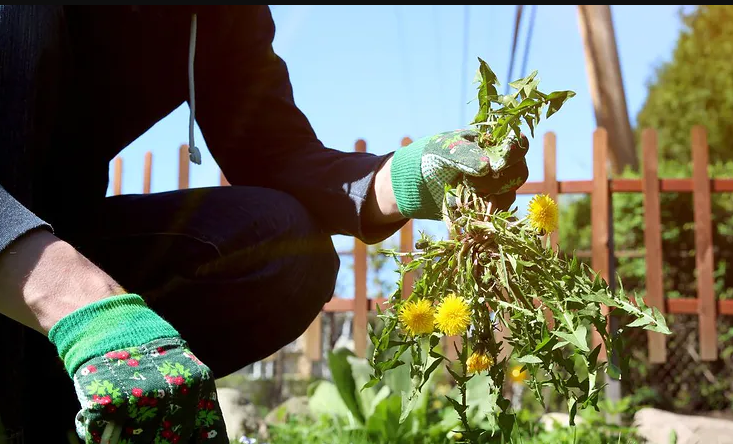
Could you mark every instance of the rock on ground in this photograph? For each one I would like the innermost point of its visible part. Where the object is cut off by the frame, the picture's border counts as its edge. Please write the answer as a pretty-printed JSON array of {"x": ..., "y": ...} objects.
[
  {"x": 657, "y": 426},
  {"x": 240, "y": 416}
]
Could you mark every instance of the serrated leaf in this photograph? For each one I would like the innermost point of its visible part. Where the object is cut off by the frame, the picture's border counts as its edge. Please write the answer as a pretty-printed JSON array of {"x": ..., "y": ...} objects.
[
  {"x": 529, "y": 359},
  {"x": 577, "y": 338},
  {"x": 545, "y": 342},
  {"x": 640, "y": 322},
  {"x": 556, "y": 100}
]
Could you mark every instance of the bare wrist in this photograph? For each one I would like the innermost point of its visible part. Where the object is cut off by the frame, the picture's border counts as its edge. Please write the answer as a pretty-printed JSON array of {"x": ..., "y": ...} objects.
[
  {"x": 43, "y": 279},
  {"x": 381, "y": 204}
]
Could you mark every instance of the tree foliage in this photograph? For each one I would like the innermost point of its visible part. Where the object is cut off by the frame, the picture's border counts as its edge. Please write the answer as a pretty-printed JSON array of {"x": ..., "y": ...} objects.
[{"x": 694, "y": 88}]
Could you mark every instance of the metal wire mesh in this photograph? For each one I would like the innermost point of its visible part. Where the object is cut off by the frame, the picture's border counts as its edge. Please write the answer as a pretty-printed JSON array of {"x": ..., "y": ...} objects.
[{"x": 684, "y": 383}]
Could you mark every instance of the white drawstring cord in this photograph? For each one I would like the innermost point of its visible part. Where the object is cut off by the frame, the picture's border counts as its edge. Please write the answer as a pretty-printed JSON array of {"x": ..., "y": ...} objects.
[{"x": 193, "y": 152}]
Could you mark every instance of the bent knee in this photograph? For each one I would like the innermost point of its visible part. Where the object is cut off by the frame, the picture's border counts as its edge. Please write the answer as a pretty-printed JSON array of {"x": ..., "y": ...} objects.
[
  {"x": 266, "y": 231},
  {"x": 318, "y": 268}
]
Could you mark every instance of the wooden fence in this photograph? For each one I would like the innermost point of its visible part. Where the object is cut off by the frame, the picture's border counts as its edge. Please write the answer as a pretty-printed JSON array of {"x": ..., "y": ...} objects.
[{"x": 601, "y": 188}]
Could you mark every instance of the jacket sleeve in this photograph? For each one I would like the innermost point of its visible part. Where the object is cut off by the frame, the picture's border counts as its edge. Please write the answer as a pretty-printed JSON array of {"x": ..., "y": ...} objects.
[
  {"x": 258, "y": 135},
  {"x": 15, "y": 220}
]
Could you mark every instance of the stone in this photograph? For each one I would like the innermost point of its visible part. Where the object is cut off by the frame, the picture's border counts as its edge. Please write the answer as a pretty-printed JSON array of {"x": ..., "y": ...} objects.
[
  {"x": 659, "y": 426},
  {"x": 240, "y": 415}
]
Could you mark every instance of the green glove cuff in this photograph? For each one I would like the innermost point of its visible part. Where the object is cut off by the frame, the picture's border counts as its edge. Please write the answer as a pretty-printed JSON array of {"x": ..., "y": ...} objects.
[
  {"x": 411, "y": 192},
  {"x": 104, "y": 326}
]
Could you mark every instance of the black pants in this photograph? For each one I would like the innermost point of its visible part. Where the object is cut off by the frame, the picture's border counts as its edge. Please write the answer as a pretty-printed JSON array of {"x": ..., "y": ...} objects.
[{"x": 239, "y": 271}]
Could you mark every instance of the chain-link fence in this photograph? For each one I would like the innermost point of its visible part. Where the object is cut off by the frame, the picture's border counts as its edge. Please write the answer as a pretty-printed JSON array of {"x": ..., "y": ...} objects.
[{"x": 684, "y": 383}]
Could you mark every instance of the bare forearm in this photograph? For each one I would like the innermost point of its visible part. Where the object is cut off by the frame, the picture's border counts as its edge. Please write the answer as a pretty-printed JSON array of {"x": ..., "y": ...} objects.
[
  {"x": 381, "y": 204},
  {"x": 43, "y": 278}
]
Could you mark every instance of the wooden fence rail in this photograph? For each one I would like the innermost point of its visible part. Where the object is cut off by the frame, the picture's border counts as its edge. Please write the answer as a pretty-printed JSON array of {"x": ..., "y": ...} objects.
[{"x": 601, "y": 188}]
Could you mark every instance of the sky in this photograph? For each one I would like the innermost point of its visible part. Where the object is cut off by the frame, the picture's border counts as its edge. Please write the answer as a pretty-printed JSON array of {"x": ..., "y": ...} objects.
[{"x": 384, "y": 72}]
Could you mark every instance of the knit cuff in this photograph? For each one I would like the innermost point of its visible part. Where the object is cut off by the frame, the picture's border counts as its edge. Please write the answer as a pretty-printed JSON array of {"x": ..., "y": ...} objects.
[
  {"x": 413, "y": 197},
  {"x": 110, "y": 324}
]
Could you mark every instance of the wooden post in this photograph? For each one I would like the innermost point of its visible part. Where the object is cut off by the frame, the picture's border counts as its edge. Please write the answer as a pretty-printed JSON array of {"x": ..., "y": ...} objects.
[
  {"x": 606, "y": 84},
  {"x": 183, "y": 167},
  {"x": 406, "y": 245},
  {"x": 602, "y": 251},
  {"x": 704, "y": 246},
  {"x": 360, "y": 286},
  {"x": 653, "y": 240},
  {"x": 117, "y": 180},
  {"x": 312, "y": 346},
  {"x": 551, "y": 186},
  {"x": 552, "y": 189},
  {"x": 600, "y": 216},
  {"x": 147, "y": 172}
]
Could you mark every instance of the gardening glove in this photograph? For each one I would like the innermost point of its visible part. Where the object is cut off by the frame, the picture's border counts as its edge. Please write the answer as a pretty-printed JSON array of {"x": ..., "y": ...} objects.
[
  {"x": 135, "y": 377},
  {"x": 421, "y": 170}
]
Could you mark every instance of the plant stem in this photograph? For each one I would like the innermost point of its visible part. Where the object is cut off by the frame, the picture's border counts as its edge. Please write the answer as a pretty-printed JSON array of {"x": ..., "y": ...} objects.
[{"x": 462, "y": 388}]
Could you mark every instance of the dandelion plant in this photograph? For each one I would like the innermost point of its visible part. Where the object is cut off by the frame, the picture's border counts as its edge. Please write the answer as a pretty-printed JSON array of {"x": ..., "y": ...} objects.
[{"x": 498, "y": 272}]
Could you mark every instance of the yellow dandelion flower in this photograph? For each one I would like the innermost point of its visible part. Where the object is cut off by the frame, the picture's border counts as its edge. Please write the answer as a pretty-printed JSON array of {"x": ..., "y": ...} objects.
[
  {"x": 479, "y": 362},
  {"x": 543, "y": 213},
  {"x": 453, "y": 316},
  {"x": 418, "y": 317},
  {"x": 517, "y": 375}
]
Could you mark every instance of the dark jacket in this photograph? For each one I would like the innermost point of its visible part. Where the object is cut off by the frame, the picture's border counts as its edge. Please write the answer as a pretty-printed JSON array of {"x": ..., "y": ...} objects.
[{"x": 80, "y": 83}]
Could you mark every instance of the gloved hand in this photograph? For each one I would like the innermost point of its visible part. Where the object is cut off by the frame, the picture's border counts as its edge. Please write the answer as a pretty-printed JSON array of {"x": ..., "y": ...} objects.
[
  {"x": 135, "y": 377},
  {"x": 421, "y": 170}
]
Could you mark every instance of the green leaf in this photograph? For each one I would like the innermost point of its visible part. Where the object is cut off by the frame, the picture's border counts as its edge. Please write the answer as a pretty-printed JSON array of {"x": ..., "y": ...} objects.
[
  {"x": 165, "y": 369},
  {"x": 147, "y": 412},
  {"x": 371, "y": 383},
  {"x": 460, "y": 409},
  {"x": 486, "y": 89},
  {"x": 384, "y": 424},
  {"x": 602, "y": 298},
  {"x": 639, "y": 322},
  {"x": 572, "y": 410},
  {"x": 613, "y": 371},
  {"x": 433, "y": 363},
  {"x": 506, "y": 424},
  {"x": 546, "y": 342},
  {"x": 529, "y": 359},
  {"x": 557, "y": 99},
  {"x": 344, "y": 381},
  {"x": 360, "y": 371},
  {"x": 107, "y": 388},
  {"x": 577, "y": 338},
  {"x": 593, "y": 356},
  {"x": 326, "y": 399}
]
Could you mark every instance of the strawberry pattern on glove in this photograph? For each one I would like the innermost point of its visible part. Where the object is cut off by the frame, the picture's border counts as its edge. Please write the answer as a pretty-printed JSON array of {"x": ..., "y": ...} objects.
[{"x": 157, "y": 393}]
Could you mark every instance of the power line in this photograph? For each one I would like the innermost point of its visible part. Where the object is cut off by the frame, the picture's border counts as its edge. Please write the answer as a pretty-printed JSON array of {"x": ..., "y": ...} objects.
[
  {"x": 464, "y": 71},
  {"x": 517, "y": 23},
  {"x": 529, "y": 40}
]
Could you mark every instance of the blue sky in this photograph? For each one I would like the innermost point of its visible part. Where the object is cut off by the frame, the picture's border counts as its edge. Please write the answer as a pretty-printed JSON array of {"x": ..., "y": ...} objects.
[{"x": 383, "y": 72}]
